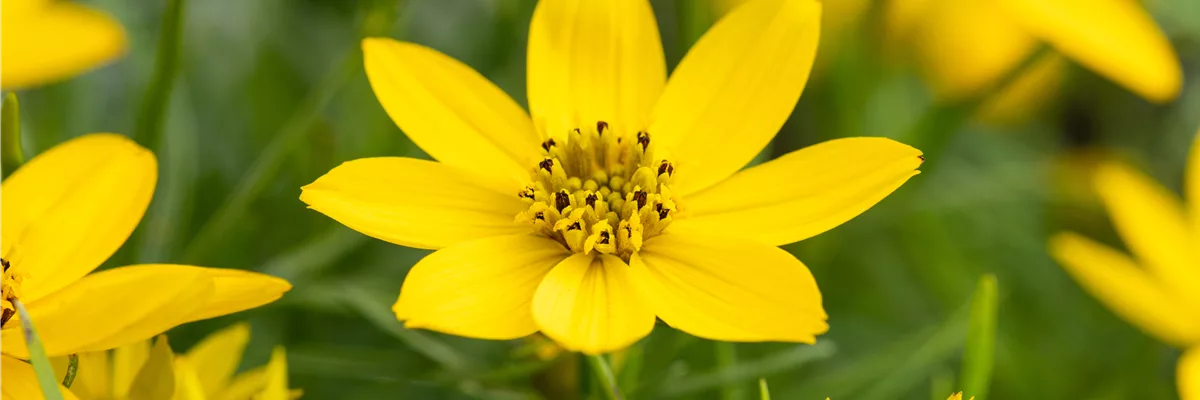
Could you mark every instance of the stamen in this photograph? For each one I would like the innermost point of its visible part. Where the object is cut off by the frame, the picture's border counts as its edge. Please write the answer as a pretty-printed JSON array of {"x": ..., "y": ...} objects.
[{"x": 594, "y": 190}]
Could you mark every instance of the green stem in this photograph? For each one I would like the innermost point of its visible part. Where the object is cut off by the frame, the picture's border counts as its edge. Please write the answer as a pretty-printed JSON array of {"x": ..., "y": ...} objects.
[
  {"x": 72, "y": 370},
  {"x": 608, "y": 381},
  {"x": 263, "y": 172},
  {"x": 763, "y": 392},
  {"x": 726, "y": 356},
  {"x": 11, "y": 156},
  {"x": 37, "y": 356},
  {"x": 149, "y": 125}
]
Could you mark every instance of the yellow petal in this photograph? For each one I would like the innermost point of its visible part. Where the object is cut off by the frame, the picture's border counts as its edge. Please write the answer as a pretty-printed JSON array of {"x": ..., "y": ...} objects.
[
  {"x": 1152, "y": 223},
  {"x": 70, "y": 208},
  {"x": 53, "y": 41},
  {"x": 1115, "y": 38},
  {"x": 480, "y": 289},
  {"x": 734, "y": 89},
  {"x": 237, "y": 290},
  {"x": 803, "y": 193},
  {"x": 1028, "y": 93},
  {"x": 964, "y": 47},
  {"x": 1131, "y": 293},
  {"x": 127, "y": 361},
  {"x": 112, "y": 308},
  {"x": 244, "y": 385},
  {"x": 591, "y": 304},
  {"x": 1192, "y": 187},
  {"x": 731, "y": 289},
  {"x": 450, "y": 111},
  {"x": 187, "y": 382},
  {"x": 277, "y": 379},
  {"x": 415, "y": 203},
  {"x": 1188, "y": 374},
  {"x": 213, "y": 361},
  {"x": 19, "y": 382},
  {"x": 156, "y": 379},
  {"x": 592, "y": 61}
]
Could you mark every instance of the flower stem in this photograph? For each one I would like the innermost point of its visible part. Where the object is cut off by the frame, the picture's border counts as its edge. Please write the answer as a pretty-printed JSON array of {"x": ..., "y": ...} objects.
[
  {"x": 148, "y": 130},
  {"x": 37, "y": 356},
  {"x": 608, "y": 381}
]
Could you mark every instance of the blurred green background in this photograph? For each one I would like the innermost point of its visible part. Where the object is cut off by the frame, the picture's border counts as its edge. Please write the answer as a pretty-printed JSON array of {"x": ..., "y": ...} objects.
[{"x": 271, "y": 94}]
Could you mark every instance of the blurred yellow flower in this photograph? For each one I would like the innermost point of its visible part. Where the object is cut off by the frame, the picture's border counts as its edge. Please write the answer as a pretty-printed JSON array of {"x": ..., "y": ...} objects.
[
  {"x": 1162, "y": 296},
  {"x": 206, "y": 372},
  {"x": 965, "y": 46},
  {"x": 625, "y": 187},
  {"x": 958, "y": 396},
  {"x": 65, "y": 212},
  {"x": 42, "y": 41}
]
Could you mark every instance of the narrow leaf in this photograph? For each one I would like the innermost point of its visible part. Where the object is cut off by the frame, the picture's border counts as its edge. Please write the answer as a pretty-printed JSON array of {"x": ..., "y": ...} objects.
[
  {"x": 979, "y": 355},
  {"x": 11, "y": 156},
  {"x": 763, "y": 392}
]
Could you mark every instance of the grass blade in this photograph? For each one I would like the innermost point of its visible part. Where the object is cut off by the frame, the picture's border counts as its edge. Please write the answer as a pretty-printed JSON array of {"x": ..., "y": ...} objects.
[
  {"x": 979, "y": 355},
  {"x": 763, "y": 392},
  {"x": 11, "y": 156},
  {"x": 749, "y": 371},
  {"x": 37, "y": 356},
  {"x": 149, "y": 126}
]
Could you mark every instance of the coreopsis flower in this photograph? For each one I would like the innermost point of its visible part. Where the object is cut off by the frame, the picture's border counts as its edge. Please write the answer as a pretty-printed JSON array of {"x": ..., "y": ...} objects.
[
  {"x": 958, "y": 396},
  {"x": 1159, "y": 289},
  {"x": 206, "y": 372},
  {"x": 967, "y": 46},
  {"x": 42, "y": 41},
  {"x": 621, "y": 199},
  {"x": 64, "y": 213}
]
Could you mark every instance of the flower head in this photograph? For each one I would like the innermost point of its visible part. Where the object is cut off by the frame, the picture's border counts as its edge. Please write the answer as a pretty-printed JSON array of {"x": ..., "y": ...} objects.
[
  {"x": 44, "y": 41},
  {"x": 68, "y": 210},
  {"x": 966, "y": 46},
  {"x": 621, "y": 199},
  {"x": 206, "y": 371},
  {"x": 1162, "y": 296}
]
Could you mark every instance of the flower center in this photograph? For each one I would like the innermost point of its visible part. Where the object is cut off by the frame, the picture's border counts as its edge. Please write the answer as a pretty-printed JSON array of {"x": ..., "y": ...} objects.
[
  {"x": 597, "y": 189},
  {"x": 10, "y": 289}
]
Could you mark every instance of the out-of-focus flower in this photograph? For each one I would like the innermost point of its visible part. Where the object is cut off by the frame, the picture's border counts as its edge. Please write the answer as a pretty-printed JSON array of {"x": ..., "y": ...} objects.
[
  {"x": 65, "y": 212},
  {"x": 625, "y": 187},
  {"x": 958, "y": 396},
  {"x": 42, "y": 41},
  {"x": 206, "y": 372},
  {"x": 1160, "y": 291},
  {"x": 966, "y": 46},
  {"x": 837, "y": 19}
]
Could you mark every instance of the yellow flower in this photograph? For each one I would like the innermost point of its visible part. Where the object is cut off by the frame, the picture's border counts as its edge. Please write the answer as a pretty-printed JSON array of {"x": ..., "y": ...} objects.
[
  {"x": 958, "y": 396},
  {"x": 65, "y": 213},
  {"x": 43, "y": 41},
  {"x": 620, "y": 199},
  {"x": 965, "y": 46},
  {"x": 204, "y": 372},
  {"x": 1162, "y": 296}
]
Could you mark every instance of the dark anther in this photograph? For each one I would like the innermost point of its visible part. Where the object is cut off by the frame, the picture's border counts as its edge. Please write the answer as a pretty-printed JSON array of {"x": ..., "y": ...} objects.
[
  {"x": 666, "y": 168},
  {"x": 526, "y": 193},
  {"x": 662, "y": 212},
  {"x": 548, "y": 144},
  {"x": 546, "y": 164},
  {"x": 591, "y": 199},
  {"x": 539, "y": 216},
  {"x": 8, "y": 314},
  {"x": 644, "y": 140},
  {"x": 576, "y": 130},
  {"x": 922, "y": 158},
  {"x": 603, "y": 238},
  {"x": 574, "y": 227},
  {"x": 5, "y": 263},
  {"x": 601, "y": 126},
  {"x": 562, "y": 199},
  {"x": 640, "y": 198}
]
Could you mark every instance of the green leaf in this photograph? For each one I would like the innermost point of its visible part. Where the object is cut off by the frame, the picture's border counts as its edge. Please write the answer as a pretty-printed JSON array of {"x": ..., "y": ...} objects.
[
  {"x": 763, "y": 392},
  {"x": 37, "y": 355},
  {"x": 148, "y": 130},
  {"x": 726, "y": 355},
  {"x": 979, "y": 355},
  {"x": 748, "y": 371}
]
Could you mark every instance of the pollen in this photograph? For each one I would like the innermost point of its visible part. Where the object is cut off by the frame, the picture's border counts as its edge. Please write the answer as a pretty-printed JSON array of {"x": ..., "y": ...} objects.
[
  {"x": 10, "y": 289},
  {"x": 598, "y": 189}
]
